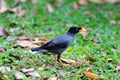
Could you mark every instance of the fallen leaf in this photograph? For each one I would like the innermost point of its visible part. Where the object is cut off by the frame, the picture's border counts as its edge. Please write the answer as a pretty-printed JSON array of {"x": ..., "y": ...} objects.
[
  {"x": 78, "y": 61},
  {"x": 109, "y": 59},
  {"x": 112, "y": 1},
  {"x": 79, "y": 72},
  {"x": 41, "y": 67},
  {"x": 34, "y": 73},
  {"x": 27, "y": 70},
  {"x": 19, "y": 75},
  {"x": 112, "y": 21},
  {"x": 21, "y": 13},
  {"x": 90, "y": 58},
  {"x": 87, "y": 13},
  {"x": 3, "y": 6},
  {"x": 34, "y": 1},
  {"x": 97, "y": 1},
  {"x": 74, "y": 63},
  {"x": 49, "y": 7},
  {"x": 4, "y": 70},
  {"x": 68, "y": 61},
  {"x": 17, "y": 9},
  {"x": 26, "y": 43},
  {"x": 62, "y": 72},
  {"x": 117, "y": 68},
  {"x": 3, "y": 31},
  {"x": 43, "y": 39},
  {"x": 23, "y": 38},
  {"x": 54, "y": 78},
  {"x": 91, "y": 75},
  {"x": 82, "y": 2},
  {"x": 75, "y": 5},
  {"x": 16, "y": 3},
  {"x": 23, "y": 0},
  {"x": 2, "y": 49},
  {"x": 39, "y": 40}
]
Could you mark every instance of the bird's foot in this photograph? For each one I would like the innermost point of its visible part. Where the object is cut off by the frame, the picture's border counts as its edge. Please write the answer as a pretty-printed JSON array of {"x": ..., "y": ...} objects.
[{"x": 61, "y": 63}]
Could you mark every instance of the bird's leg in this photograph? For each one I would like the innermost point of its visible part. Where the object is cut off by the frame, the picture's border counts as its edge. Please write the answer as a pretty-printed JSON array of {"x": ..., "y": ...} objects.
[
  {"x": 55, "y": 57},
  {"x": 60, "y": 61}
]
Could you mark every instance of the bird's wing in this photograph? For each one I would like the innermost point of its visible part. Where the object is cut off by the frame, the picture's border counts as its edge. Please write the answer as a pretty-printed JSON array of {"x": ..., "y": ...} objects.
[{"x": 57, "y": 43}]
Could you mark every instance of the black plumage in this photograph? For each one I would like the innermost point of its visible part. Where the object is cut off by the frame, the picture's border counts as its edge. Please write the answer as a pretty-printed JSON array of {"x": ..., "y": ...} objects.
[{"x": 60, "y": 43}]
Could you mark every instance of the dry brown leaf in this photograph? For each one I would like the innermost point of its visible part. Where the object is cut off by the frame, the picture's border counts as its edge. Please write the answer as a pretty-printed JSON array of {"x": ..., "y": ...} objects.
[
  {"x": 27, "y": 70},
  {"x": 2, "y": 49},
  {"x": 41, "y": 67},
  {"x": 97, "y": 1},
  {"x": 82, "y": 2},
  {"x": 23, "y": 38},
  {"x": 39, "y": 40},
  {"x": 19, "y": 75},
  {"x": 3, "y": 6},
  {"x": 54, "y": 78},
  {"x": 68, "y": 61},
  {"x": 112, "y": 1},
  {"x": 21, "y": 13},
  {"x": 74, "y": 63},
  {"x": 43, "y": 39},
  {"x": 34, "y": 73},
  {"x": 91, "y": 75},
  {"x": 75, "y": 5},
  {"x": 117, "y": 68},
  {"x": 87, "y": 13},
  {"x": 18, "y": 10},
  {"x": 23, "y": 0},
  {"x": 13, "y": 10},
  {"x": 78, "y": 61},
  {"x": 112, "y": 21},
  {"x": 90, "y": 58},
  {"x": 26, "y": 43},
  {"x": 3, "y": 31},
  {"x": 109, "y": 59},
  {"x": 49, "y": 7},
  {"x": 34, "y": 1}
]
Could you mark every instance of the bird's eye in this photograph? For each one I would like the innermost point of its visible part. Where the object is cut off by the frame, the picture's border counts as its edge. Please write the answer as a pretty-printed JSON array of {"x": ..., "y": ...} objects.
[{"x": 76, "y": 29}]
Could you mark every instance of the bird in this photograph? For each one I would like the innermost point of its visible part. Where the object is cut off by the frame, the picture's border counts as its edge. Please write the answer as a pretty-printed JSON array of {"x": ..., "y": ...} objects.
[{"x": 59, "y": 44}]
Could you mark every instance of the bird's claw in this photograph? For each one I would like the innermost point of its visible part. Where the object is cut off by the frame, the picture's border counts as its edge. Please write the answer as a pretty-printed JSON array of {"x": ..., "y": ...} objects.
[{"x": 62, "y": 64}]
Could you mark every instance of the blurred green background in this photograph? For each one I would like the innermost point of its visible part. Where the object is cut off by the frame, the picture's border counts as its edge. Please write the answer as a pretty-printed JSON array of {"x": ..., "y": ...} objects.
[{"x": 50, "y": 18}]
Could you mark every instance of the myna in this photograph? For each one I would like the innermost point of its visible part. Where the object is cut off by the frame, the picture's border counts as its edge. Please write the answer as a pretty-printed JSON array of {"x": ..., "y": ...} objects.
[{"x": 59, "y": 43}]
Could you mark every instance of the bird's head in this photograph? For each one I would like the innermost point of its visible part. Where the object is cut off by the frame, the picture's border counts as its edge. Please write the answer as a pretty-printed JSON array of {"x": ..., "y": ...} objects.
[{"x": 73, "y": 30}]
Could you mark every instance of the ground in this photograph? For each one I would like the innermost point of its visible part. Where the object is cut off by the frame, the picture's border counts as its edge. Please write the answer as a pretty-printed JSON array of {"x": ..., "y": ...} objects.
[{"x": 102, "y": 42}]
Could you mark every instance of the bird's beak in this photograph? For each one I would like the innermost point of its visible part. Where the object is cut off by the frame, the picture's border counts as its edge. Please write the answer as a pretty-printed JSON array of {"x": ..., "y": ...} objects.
[{"x": 82, "y": 30}]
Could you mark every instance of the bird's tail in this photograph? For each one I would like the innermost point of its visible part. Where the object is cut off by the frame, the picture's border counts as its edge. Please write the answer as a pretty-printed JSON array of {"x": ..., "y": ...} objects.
[{"x": 37, "y": 49}]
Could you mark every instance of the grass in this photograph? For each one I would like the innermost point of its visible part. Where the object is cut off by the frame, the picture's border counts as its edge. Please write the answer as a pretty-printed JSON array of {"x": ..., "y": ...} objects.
[{"x": 102, "y": 41}]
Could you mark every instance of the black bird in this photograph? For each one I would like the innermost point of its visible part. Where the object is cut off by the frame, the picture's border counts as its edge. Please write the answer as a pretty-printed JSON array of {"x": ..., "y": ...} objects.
[{"x": 60, "y": 43}]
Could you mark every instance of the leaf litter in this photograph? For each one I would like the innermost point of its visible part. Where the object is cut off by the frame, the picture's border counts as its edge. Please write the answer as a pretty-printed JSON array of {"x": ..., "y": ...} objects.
[
  {"x": 30, "y": 72},
  {"x": 24, "y": 41},
  {"x": 3, "y": 32}
]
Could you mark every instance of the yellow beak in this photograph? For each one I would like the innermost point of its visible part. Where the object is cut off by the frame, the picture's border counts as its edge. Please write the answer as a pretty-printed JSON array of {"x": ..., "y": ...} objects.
[{"x": 83, "y": 30}]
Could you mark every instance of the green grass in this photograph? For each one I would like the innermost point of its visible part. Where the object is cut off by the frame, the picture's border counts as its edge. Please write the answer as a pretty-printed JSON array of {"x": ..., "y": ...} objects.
[{"x": 102, "y": 41}]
